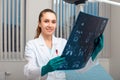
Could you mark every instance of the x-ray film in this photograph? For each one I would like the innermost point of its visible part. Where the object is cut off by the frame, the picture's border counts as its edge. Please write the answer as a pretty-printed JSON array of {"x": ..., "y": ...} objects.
[{"x": 80, "y": 44}]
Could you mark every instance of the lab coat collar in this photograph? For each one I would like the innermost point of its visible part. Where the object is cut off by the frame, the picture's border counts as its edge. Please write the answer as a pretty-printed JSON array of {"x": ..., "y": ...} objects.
[{"x": 54, "y": 40}]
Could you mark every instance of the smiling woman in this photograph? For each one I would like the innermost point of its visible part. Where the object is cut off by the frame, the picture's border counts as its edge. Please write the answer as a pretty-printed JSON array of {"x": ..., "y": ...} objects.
[
  {"x": 47, "y": 22},
  {"x": 40, "y": 52}
]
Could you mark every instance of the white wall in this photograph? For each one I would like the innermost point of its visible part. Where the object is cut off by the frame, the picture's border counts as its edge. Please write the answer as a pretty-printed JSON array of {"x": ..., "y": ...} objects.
[
  {"x": 115, "y": 42},
  {"x": 14, "y": 70},
  {"x": 112, "y": 41}
]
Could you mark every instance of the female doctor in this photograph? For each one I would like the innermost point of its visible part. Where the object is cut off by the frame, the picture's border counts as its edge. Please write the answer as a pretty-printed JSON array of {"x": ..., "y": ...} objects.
[{"x": 43, "y": 52}]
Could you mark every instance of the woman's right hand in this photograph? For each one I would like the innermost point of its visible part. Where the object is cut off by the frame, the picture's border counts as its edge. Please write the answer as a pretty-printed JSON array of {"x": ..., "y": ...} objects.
[{"x": 52, "y": 65}]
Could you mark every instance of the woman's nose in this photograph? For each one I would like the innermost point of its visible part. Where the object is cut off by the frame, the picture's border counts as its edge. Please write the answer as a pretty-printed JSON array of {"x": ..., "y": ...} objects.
[{"x": 50, "y": 24}]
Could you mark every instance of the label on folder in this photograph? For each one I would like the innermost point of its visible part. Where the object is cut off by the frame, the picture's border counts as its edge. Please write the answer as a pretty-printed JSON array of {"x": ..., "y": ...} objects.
[{"x": 80, "y": 44}]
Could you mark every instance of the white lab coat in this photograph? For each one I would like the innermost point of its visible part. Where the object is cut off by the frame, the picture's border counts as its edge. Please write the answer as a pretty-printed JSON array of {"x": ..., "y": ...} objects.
[{"x": 37, "y": 54}]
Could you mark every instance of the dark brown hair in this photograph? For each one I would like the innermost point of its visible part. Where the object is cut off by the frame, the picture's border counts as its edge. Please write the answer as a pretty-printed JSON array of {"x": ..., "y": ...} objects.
[{"x": 38, "y": 30}]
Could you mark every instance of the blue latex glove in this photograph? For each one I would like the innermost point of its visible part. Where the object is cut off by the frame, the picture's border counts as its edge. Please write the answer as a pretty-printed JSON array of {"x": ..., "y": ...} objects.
[
  {"x": 52, "y": 65},
  {"x": 98, "y": 46}
]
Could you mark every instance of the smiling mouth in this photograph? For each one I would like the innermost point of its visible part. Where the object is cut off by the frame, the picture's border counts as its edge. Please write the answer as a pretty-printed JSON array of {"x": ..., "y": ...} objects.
[{"x": 49, "y": 30}]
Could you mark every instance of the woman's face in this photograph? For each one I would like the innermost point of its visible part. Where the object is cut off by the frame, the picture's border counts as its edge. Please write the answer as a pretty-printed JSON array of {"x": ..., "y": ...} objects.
[{"x": 48, "y": 24}]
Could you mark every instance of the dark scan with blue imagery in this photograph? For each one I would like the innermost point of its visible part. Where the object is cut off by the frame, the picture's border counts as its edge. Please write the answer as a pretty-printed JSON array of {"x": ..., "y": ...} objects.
[{"x": 80, "y": 44}]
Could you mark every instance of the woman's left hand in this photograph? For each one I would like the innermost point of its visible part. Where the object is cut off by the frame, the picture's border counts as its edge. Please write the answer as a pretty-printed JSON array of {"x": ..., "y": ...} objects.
[{"x": 98, "y": 43}]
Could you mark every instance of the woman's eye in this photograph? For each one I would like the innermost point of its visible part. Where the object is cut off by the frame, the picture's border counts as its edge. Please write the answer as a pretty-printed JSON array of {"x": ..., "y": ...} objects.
[
  {"x": 53, "y": 22},
  {"x": 46, "y": 21}
]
